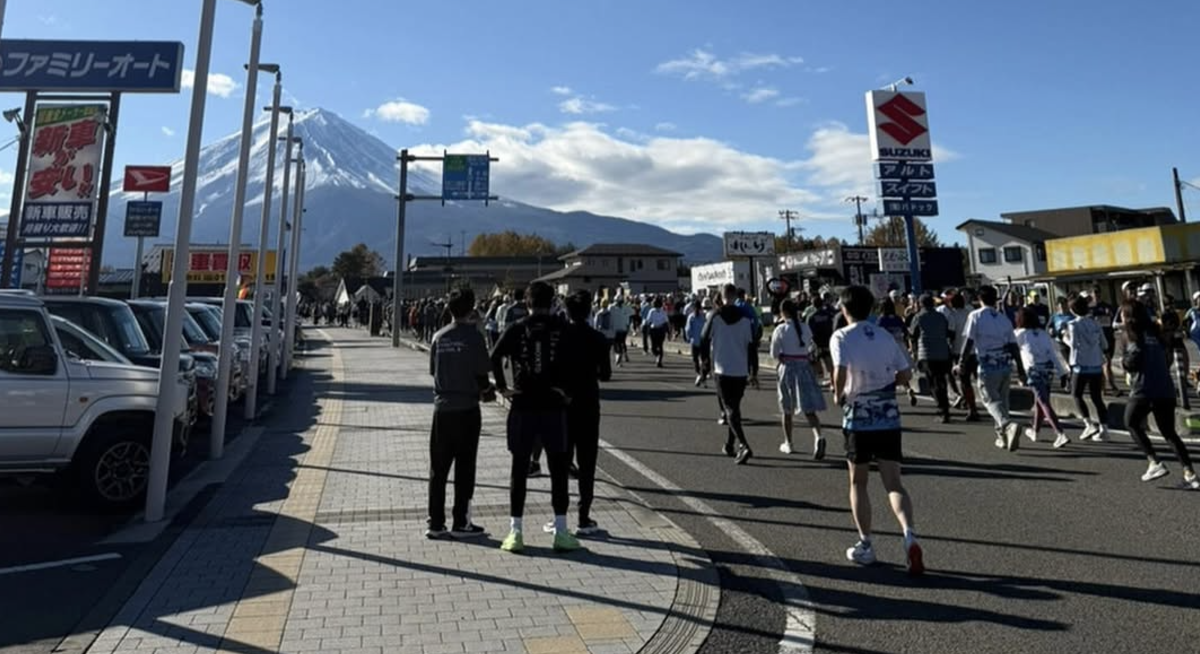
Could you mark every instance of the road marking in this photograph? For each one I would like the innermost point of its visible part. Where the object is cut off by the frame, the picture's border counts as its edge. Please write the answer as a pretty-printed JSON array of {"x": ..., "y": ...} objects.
[
  {"x": 800, "y": 632},
  {"x": 59, "y": 564}
]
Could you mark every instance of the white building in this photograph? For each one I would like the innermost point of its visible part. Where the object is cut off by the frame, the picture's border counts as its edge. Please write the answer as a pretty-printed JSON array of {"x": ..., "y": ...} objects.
[
  {"x": 1004, "y": 251},
  {"x": 713, "y": 276}
]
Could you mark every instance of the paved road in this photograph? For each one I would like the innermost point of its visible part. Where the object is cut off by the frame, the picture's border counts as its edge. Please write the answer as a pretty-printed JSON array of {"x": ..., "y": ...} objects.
[{"x": 1038, "y": 551}]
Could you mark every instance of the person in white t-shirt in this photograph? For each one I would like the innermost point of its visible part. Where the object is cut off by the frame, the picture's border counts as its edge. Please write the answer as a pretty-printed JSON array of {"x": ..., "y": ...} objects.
[
  {"x": 991, "y": 344},
  {"x": 868, "y": 366}
]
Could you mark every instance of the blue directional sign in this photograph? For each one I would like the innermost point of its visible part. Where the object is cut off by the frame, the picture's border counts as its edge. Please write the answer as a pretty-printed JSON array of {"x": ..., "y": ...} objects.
[
  {"x": 903, "y": 171},
  {"x": 142, "y": 219},
  {"x": 91, "y": 66},
  {"x": 900, "y": 189},
  {"x": 910, "y": 207},
  {"x": 14, "y": 280},
  {"x": 465, "y": 177}
]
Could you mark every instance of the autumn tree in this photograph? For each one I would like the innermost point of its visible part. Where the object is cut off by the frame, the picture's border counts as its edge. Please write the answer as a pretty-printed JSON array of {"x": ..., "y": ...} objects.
[
  {"x": 318, "y": 284},
  {"x": 512, "y": 244},
  {"x": 359, "y": 261},
  {"x": 889, "y": 233}
]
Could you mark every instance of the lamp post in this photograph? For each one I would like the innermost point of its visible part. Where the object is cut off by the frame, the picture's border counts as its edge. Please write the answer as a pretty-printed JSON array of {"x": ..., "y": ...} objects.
[
  {"x": 216, "y": 446},
  {"x": 277, "y": 286},
  {"x": 289, "y": 325},
  {"x": 256, "y": 331}
]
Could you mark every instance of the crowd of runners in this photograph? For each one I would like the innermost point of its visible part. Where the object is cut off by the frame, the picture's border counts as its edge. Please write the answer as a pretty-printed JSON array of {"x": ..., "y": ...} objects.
[{"x": 865, "y": 355}]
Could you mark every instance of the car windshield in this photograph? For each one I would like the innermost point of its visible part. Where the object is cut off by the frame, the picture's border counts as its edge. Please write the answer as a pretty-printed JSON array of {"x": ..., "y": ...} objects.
[
  {"x": 79, "y": 342},
  {"x": 209, "y": 319},
  {"x": 192, "y": 332},
  {"x": 133, "y": 342}
]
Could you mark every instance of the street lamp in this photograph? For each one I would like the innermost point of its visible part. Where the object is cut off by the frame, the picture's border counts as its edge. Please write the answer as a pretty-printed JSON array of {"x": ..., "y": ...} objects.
[
  {"x": 216, "y": 446},
  {"x": 895, "y": 86},
  {"x": 277, "y": 285},
  {"x": 251, "y": 406},
  {"x": 14, "y": 116},
  {"x": 289, "y": 325}
]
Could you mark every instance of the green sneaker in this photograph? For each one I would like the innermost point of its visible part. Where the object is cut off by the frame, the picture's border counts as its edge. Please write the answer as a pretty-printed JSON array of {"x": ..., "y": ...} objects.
[
  {"x": 565, "y": 542},
  {"x": 515, "y": 542}
]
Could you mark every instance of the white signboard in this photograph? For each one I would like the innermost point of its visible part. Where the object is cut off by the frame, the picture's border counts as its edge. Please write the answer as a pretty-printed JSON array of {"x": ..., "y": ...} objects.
[
  {"x": 810, "y": 259},
  {"x": 899, "y": 126},
  {"x": 749, "y": 244},
  {"x": 715, "y": 275},
  {"x": 893, "y": 260}
]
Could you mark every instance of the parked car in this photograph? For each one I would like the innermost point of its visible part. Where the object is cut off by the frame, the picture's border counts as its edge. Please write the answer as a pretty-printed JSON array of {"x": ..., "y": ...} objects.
[
  {"x": 208, "y": 317},
  {"x": 113, "y": 322},
  {"x": 90, "y": 419},
  {"x": 151, "y": 316},
  {"x": 242, "y": 322}
]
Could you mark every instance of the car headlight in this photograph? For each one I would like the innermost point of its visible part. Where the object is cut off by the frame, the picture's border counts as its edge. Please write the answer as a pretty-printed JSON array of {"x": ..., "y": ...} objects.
[{"x": 206, "y": 369}]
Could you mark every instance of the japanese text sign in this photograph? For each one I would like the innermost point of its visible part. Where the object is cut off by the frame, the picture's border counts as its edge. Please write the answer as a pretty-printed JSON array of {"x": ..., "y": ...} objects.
[
  {"x": 910, "y": 207},
  {"x": 749, "y": 244},
  {"x": 91, "y": 66},
  {"x": 143, "y": 219},
  {"x": 465, "y": 176},
  {"x": 893, "y": 189},
  {"x": 64, "y": 171},
  {"x": 66, "y": 267},
  {"x": 208, "y": 265}
]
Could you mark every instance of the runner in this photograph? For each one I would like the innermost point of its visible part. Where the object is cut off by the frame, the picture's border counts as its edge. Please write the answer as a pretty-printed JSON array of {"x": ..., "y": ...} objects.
[
  {"x": 1104, "y": 314},
  {"x": 458, "y": 361},
  {"x": 799, "y": 390},
  {"x": 694, "y": 329},
  {"x": 1058, "y": 328},
  {"x": 932, "y": 336},
  {"x": 657, "y": 323},
  {"x": 728, "y": 342},
  {"x": 1191, "y": 322},
  {"x": 1085, "y": 338},
  {"x": 1151, "y": 393},
  {"x": 821, "y": 321},
  {"x": 990, "y": 344},
  {"x": 868, "y": 367},
  {"x": 647, "y": 306},
  {"x": 603, "y": 321},
  {"x": 892, "y": 323},
  {"x": 538, "y": 347},
  {"x": 1039, "y": 365},
  {"x": 621, "y": 315}
]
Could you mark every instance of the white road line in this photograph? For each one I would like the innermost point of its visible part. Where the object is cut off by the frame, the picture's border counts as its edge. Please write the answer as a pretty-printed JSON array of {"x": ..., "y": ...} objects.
[
  {"x": 800, "y": 633},
  {"x": 58, "y": 564}
]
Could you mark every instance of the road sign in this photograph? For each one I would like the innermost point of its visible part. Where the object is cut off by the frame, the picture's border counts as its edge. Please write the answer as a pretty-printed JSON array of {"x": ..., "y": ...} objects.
[
  {"x": 910, "y": 208},
  {"x": 749, "y": 244},
  {"x": 64, "y": 171},
  {"x": 143, "y": 219},
  {"x": 14, "y": 279},
  {"x": 147, "y": 179},
  {"x": 898, "y": 126},
  {"x": 893, "y": 189},
  {"x": 91, "y": 66},
  {"x": 465, "y": 177},
  {"x": 892, "y": 170},
  {"x": 67, "y": 266}
]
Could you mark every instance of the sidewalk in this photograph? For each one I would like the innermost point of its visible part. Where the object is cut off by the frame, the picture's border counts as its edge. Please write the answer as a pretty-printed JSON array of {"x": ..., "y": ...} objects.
[{"x": 316, "y": 544}]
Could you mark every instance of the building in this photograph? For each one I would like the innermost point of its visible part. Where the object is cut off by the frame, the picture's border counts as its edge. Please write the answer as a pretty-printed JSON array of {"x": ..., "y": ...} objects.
[
  {"x": 1094, "y": 219},
  {"x": 634, "y": 267},
  {"x": 486, "y": 272},
  {"x": 1003, "y": 251},
  {"x": 880, "y": 269}
]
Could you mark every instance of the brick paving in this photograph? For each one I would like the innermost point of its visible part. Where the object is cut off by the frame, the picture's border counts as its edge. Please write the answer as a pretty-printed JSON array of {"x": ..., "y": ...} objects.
[{"x": 316, "y": 544}]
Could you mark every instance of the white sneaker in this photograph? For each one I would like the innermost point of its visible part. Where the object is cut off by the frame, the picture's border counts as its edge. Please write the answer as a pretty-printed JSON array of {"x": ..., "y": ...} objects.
[
  {"x": 1012, "y": 437},
  {"x": 862, "y": 553},
  {"x": 1156, "y": 471},
  {"x": 1000, "y": 442},
  {"x": 1190, "y": 482},
  {"x": 785, "y": 447},
  {"x": 1089, "y": 429},
  {"x": 1031, "y": 434},
  {"x": 1101, "y": 434},
  {"x": 1061, "y": 440}
]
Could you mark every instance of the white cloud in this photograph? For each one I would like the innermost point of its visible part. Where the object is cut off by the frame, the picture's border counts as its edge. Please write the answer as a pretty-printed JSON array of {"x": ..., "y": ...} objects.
[
  {"x": 760, "y": 94},
  {"x": 219, "y": 84},
  {"x": 561, "y": 90},
  {"x": 580, "y": 106},
  {"x": 702, "y": 64},
  {"x": 6, "y": 177},
  {"x": 399, "y": 111},
  {"x": 789, "y": 102},
  {"x": 665, "y": 127},
  {"x": 167, "y": 131}
]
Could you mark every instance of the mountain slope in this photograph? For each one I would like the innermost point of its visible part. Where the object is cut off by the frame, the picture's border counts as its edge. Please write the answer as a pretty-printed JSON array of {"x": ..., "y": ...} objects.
[{"x": 352, "y": 180}]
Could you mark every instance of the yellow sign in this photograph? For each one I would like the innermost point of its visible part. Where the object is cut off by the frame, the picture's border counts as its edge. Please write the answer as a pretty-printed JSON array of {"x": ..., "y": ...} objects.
[
  {"x": 1129, "y": 248},
  {"x": 208, "y": 265}
]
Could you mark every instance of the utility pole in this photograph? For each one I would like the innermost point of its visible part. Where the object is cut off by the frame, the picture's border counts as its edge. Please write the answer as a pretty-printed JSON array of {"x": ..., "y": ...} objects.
[
  {"x": 859, "y": 219},
  {"x": 787, "y": 215},
  {"x": 463, "y": 250},
  {"x": 1179, "y": 195}
]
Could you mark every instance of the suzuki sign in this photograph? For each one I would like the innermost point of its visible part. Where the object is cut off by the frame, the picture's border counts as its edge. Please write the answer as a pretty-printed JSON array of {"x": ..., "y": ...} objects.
[{"x": 899, "y": 126}]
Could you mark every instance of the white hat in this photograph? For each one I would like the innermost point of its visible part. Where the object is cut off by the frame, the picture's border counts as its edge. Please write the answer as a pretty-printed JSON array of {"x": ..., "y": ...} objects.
[
  {"x": 1085, "y": 294},
  {"x": 1146, "y": 288},
  {"x": 1195, "y": 296}
]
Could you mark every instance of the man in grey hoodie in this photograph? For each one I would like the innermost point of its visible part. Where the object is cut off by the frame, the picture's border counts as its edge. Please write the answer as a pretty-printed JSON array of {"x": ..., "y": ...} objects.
[{"x": 729, "y": 344}]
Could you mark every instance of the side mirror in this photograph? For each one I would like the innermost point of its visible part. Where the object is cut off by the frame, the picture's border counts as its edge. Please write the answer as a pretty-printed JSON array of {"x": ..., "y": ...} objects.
[{"x": 38, "y": 360}]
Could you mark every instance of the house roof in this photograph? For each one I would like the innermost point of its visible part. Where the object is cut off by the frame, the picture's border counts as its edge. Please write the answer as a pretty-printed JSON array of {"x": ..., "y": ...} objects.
[
  {"x": 116, "y": 277},
  {"x": 621, "y": 249},
  {"x": 1097, "y": 207},
  {"x": 476, "y": 262},
  {"x": 1019, "y": 232},
  {"x": 576, "y": 271}
]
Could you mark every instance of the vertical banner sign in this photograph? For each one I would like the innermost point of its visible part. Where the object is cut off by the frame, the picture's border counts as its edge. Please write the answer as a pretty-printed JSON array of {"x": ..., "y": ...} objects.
[
  {"x": 67, "y": 267},
  {"x": 64, "y": 172}
]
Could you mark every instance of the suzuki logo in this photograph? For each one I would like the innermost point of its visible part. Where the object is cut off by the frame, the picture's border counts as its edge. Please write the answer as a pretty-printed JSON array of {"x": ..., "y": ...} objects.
[{"x": 901, "y": 111}]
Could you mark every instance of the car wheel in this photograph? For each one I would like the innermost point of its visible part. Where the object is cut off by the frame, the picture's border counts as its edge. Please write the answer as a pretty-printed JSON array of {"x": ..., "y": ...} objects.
[{"x": 113, "y": 467}]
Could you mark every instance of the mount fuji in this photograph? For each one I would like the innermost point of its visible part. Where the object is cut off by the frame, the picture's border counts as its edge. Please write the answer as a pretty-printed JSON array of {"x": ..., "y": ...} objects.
[{"x": 350, "y": 191}]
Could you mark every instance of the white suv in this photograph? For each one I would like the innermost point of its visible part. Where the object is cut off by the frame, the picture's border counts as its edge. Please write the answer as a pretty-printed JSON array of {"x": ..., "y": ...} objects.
[{"x": 93, "y": 420}]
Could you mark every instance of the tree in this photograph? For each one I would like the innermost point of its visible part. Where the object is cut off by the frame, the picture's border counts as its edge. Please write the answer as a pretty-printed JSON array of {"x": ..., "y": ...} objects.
[
  {"x": 318, "y": 284},
  {"x": 889, "y": 233},
  {"x": 512, "y": 244},
  {"x": 359, "y": 261}
]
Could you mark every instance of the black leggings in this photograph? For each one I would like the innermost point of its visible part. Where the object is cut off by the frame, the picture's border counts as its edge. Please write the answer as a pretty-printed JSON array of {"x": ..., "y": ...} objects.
[
  {"x": 697, "y": 359},
  {"x": 583, "y": 430},
  {"x": 558, "y": 462},
  {"x": 730, "y": 391},
  {"x": 1093, "y": 384},
  {"x": 657, "y": 336},
  {"x": 1163, "y": 411}
]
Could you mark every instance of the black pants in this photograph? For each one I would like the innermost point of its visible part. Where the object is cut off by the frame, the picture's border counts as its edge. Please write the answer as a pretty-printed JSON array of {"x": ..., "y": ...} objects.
[
  {"x": 1163, "y": 411},
  {"x": 697, "y": 356},
  {"x": 619, "y": 343},
  {"x": 938, "y": 373},
  {"x": 544, "y": 429},
  {"x": 454, "y": 441},
  {"x": 658, "y": 335},
  {"x": 583, "y": 433},
  {"x": 730, "y": 391},
  {"x": 1093, "y": 385},
  {"x": 646, "y": 338}
]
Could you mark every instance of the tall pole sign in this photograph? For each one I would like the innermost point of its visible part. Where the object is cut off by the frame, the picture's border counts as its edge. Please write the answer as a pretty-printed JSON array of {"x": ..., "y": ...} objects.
[
  {"x": 903, "y": 151},
  {"x": 144, "y": 219}
]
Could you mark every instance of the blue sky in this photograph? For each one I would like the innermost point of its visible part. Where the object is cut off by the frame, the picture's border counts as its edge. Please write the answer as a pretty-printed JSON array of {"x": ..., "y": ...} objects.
[{"x": 706, "y": 115}]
